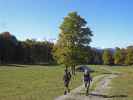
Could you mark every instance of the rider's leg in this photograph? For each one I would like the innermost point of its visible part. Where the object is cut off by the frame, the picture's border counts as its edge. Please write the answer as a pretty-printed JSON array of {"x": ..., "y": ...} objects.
[
  {"x": 87, "y": 91},
  {"x": 65, "y": 91},
  {"x": 85, "y": 84},
  {"x": 66, "y": 88}
]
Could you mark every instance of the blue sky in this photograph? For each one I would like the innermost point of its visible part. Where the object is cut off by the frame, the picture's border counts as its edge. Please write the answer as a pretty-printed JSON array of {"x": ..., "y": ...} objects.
[{"x": 110, "y": 20}]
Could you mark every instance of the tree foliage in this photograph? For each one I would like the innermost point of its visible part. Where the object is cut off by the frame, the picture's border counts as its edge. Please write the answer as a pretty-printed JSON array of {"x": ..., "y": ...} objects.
[
  {"x": 107, "y": 57},
  {"x": 119, "y": 56},
  {"x": 73, "y": 43},
  {"x": 29, "y": 51},
  {"x": 96, "y": 56},
  {"x": 129, "y": 56},
  {"x": 8, "y": 43}
]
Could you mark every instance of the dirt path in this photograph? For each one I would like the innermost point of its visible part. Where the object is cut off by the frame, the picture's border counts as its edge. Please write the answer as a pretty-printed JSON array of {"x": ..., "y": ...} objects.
[{"x": 99, "y": 93}]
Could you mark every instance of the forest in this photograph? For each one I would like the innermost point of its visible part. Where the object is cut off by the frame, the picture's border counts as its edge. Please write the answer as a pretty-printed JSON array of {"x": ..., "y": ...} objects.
[{"x": 31, "y": 51}]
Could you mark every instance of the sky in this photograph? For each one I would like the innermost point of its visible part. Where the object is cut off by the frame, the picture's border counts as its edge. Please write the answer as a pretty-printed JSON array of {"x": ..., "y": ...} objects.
[{"x": 110, "y": 20}]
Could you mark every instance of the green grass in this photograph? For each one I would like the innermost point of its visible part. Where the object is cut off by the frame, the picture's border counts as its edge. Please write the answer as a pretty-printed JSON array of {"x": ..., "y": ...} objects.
[
  {"x": 31, "y": 83},
  {"x": 34, "y": 82},
  {"x": 122, "y": 86}
]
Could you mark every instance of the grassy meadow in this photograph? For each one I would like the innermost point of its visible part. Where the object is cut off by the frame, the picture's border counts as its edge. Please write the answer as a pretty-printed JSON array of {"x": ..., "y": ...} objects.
[
  {"x": 35, "y": 82},
  {"x": 122, "y": 86},
  {"x": 30, "y": 82}
]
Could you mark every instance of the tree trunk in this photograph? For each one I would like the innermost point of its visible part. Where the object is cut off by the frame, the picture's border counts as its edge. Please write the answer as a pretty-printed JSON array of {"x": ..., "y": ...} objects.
[
  {"x": 66, "y": 67},
  {"x": 73, "y": 69}
]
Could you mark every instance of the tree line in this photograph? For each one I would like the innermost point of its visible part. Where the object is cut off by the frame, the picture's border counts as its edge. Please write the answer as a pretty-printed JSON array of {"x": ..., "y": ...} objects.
[
  {"x": 72, "y": 48},
  {"x": 29, "y": 51},
  {"x": 120, "y": 56},
  {"x": 34, "y": 52}
]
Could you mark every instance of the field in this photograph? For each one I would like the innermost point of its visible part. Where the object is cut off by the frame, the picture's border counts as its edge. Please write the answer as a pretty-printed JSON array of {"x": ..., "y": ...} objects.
[
  {"x": 30, "y": 82},
  {"x": 35, "y": 82},
  {"x": 122, "y": 86}
]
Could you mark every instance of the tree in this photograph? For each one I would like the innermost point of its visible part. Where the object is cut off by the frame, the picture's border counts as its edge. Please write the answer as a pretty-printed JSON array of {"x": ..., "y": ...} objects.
[
  {"x": 74, "y": 38},
  {"x": 29, "y": 51},
  {"x": 37, "y": 52},
  {"x": 119, "y": 56},
  {"x": 8, "y": 44},
  {"x": 124, "y": 54},
  {"x": 107, "y": 57},
  {"x": 97, "y": 56},
  {"x": 129, "y": 57}
]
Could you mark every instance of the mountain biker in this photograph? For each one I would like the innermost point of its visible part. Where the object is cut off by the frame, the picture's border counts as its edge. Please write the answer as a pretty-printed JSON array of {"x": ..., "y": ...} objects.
[
  {"x": 87, "y": 80},
  {"x": 66, "y": 79}
]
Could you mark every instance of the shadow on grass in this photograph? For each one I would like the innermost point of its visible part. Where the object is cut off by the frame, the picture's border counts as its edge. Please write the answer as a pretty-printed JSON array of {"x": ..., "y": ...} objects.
[
  {"x": 111, "y": 73},
  {"x": 109, "y": 96},
  {"x": 12, "y": 65},
  {"x": 27, "y": 65},
  {"x": 115, "y": 73},
  {"x": 104, "y": 96}
]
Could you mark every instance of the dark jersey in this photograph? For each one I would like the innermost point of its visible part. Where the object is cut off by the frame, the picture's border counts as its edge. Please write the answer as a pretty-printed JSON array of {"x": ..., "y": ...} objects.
[{"x": 87, "y": 77}]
